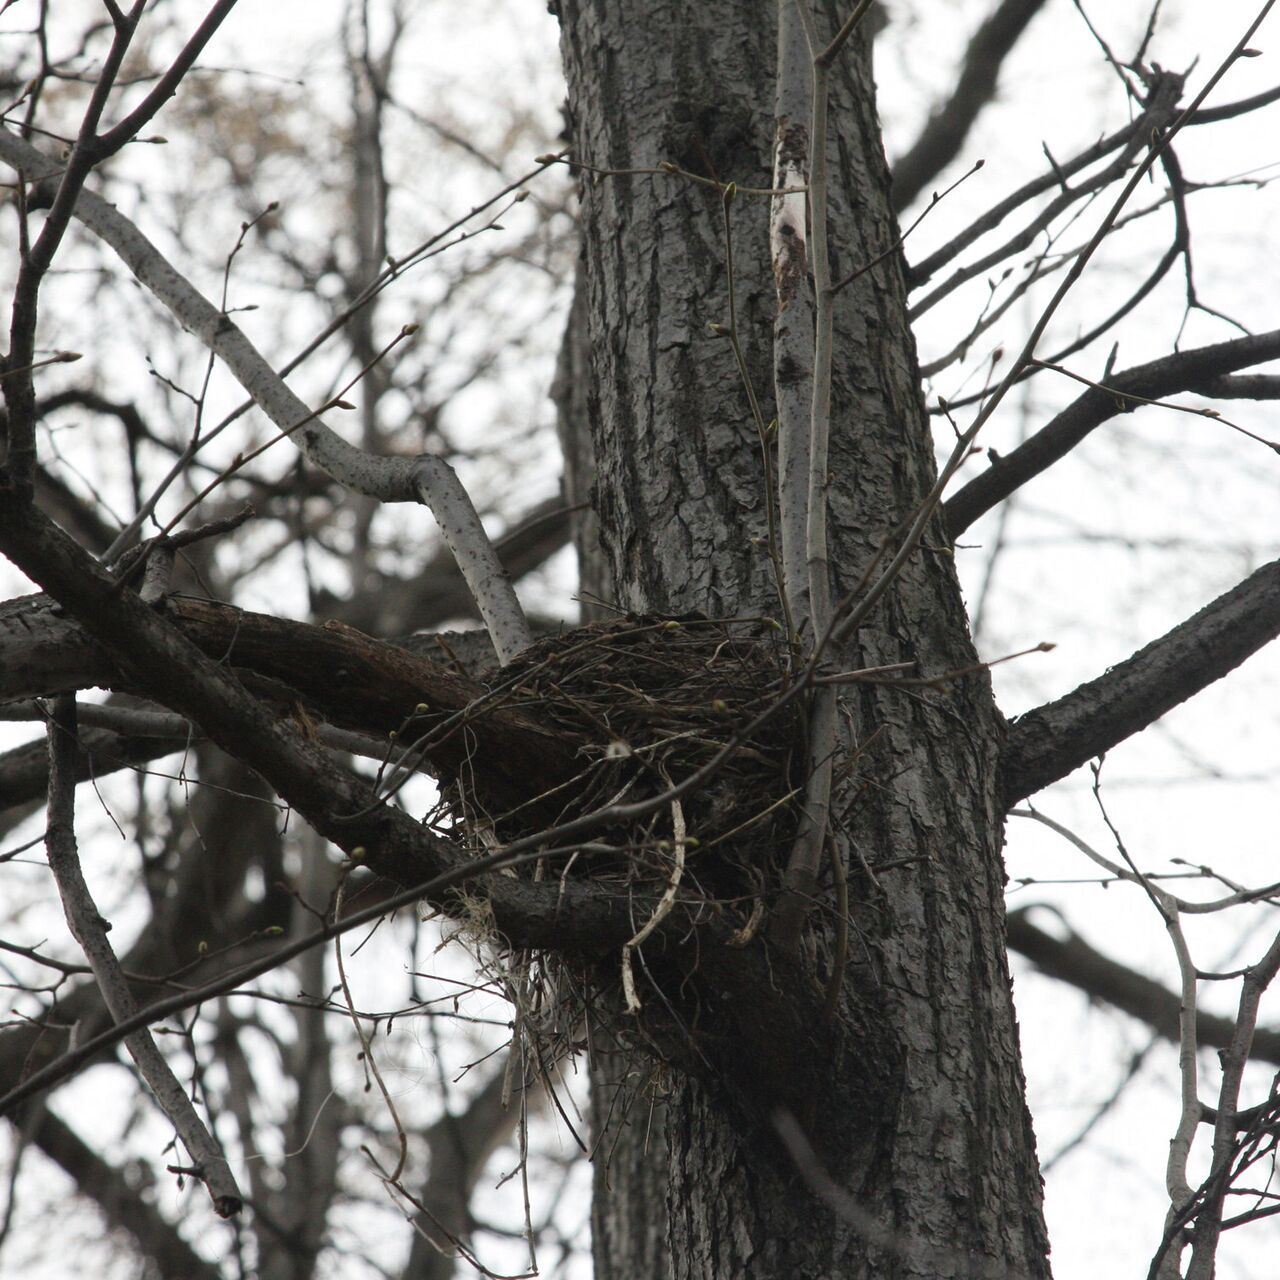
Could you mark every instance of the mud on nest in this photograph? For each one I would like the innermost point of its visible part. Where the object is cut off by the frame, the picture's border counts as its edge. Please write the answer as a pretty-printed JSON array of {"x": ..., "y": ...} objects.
[{"x": 652, "y": 700}]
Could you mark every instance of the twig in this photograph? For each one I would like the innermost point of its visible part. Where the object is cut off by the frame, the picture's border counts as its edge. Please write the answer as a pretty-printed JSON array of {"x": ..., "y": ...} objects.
[
  {"x": 663, "y": 909},
  {"x": 1126, "y": 401},
  {"x": 366, "y": 1053}
]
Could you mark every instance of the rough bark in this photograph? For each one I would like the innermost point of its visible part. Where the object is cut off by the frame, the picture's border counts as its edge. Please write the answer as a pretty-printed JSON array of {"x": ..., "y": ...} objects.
[{"x": 924, "y": 1132}]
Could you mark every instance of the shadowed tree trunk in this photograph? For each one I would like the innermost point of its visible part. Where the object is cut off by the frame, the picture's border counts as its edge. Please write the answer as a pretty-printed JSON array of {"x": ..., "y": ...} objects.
[{"x": 925, "y": 1130}]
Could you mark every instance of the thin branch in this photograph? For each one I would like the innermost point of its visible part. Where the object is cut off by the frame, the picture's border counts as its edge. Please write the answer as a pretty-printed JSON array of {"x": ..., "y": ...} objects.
[
  {"x": 440, "y": 489},
  {"x": 1182, "y": 371},
  {"x": 1238, "y": 1055},
  {"x": 90, "y": 930},
  {"x": 1048, "y": 743},
  {"x": 1127, "y": 140},
  {"x": 164, "y": 89},
  {"x": 951, "y": 121}
]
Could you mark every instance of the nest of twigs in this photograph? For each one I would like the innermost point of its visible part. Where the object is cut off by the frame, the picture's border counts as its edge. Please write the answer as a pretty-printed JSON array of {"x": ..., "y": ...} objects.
[
  {"x": 653, "y": 701},
  {"x": 650, "y": 701}
]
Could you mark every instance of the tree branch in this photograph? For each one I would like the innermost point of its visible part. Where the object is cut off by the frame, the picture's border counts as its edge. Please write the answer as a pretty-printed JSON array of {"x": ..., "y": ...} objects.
[
  {"x": 948, "y": 126},
  {"x": 388, "y": 479},
  {"x": 1182, "y": 371},
  {"x": 24, "y": 770},
  {"x": 1075, "y": 962},
  {"x": 438, "y": 591},
  {"x": 169, "y": 667},
  {"x": 1159, "y": 112},
  {"x": 1048, "y": 743},
  {"x": 439, "y": 487},
  {"x": 90, "y": 930},
  {"x": 334, "y": 673}
]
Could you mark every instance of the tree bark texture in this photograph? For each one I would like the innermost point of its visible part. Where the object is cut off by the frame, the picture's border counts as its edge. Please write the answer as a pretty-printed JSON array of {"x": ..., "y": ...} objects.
[{"x": 919, "y": 1160}]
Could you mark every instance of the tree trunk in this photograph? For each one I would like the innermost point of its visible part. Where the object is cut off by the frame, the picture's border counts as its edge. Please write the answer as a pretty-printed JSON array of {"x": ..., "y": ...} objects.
[{"x": 919, "y": 1159}]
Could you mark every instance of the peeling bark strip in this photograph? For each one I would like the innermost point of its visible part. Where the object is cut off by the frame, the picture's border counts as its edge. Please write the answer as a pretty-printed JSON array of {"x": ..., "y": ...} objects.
[{"x": 793, "y": 326}]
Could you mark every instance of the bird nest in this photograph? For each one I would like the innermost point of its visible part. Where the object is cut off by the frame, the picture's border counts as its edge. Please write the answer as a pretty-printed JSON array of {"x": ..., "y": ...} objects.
[{"x": 652, "y": 702}]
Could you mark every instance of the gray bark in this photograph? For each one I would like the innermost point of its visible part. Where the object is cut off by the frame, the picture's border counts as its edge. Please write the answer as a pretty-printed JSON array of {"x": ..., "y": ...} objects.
[{"x": 923, "y": 1160}]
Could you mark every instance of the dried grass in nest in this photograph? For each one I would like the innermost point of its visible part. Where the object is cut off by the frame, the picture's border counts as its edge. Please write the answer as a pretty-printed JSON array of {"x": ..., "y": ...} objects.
[{"x": 655, "y": 699}]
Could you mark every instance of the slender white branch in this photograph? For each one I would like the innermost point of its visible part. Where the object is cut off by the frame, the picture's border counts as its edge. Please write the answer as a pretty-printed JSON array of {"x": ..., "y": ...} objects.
[
  {"x": 801, "y": 877},
  {"x": 90, "y": 930},
  {"x": 1190, "y": 1112},
  {"x": 1176, "y": 1183},
  {"x": 816, "y": 554},
  {"x": 793, "y": 325},
  {"x": 660, "y": 912},
  {"x": 425, "y": 479},
  {"x": 437, "y": 484},
  {"x": 1257, "y": 979}
]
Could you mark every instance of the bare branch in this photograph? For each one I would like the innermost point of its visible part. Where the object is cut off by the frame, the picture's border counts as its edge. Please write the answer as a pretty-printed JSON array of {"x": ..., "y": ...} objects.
[
  {"x": 1073, "y": 961},
  {"x": 90, "y": 930},
  {"x": 1183, "y": 371},
  {"x": 126, "y": 130},
  {"x": 1048, "y": 743},
  {"x": 333, "y": 672},
  {"x": 439, "y": 487},
  {"x": 1160, "y": 112},
  {"x": 949, "y": 124},
  {"x": 1239, "y": 1053}
]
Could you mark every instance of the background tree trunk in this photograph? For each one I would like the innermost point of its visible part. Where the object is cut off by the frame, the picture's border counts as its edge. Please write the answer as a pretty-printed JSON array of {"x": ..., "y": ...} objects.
[{"x": 925, "y": 1162}]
